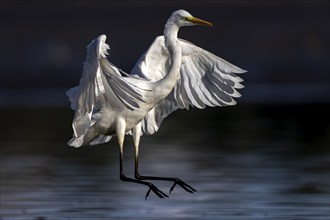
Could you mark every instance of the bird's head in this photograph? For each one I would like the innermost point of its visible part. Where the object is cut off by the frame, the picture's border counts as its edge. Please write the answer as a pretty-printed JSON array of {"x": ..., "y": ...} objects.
[{"x": 184, "y": 18}]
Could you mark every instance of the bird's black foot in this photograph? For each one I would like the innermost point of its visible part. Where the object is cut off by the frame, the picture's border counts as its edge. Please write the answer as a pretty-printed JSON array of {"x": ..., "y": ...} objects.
[
  {"x": 151, "y": 186},
  {"x": 184, "y": 185},
  {"x": 157, "y": 191},
  {"x": 176, "y": 181}
]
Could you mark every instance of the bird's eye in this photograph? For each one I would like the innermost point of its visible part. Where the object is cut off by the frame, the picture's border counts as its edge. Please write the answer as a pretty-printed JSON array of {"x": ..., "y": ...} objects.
[{"x": 184, "y": 19}]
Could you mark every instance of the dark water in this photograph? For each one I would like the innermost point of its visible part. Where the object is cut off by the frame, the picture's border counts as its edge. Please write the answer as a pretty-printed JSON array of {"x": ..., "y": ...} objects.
[{"x": 244, "y": 164}]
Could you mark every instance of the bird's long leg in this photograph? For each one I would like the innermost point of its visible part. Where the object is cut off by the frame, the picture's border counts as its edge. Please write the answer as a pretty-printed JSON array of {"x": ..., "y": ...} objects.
[
  {"x": 152, "y": 187},
  {"x": 176, "y": 181}
]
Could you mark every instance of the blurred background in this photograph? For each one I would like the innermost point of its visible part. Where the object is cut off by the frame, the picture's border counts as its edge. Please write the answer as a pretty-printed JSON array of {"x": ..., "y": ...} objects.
[{"x": 270, "y": 151}]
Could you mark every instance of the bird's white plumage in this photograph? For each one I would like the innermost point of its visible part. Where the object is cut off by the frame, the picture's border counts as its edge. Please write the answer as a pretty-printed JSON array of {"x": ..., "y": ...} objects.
[
  {"x": 205, "y": 80},
  {"x": 104, "y": 90},
  {"x": 87, "y": 97},
  {"x": 101, "y": 86}
]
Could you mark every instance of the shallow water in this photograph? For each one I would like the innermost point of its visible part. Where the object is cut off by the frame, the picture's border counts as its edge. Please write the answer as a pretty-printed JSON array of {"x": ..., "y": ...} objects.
[
  {"x": 230, "y": 186},
  {"x": 272, "y": 180}
]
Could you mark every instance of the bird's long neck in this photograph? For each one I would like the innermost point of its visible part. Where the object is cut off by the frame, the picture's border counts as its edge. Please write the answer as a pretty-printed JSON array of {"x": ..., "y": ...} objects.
[
  {"x": 166, "y": 85},
  {"x": 171, "y": 36}
]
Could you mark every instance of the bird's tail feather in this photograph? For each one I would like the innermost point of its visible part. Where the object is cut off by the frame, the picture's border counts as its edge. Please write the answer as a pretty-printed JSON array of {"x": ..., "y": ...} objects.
[
  {"x": 101, "y": 139},
  {"x": 76, "y": 142},
  {"x": 79, "y": 141}
]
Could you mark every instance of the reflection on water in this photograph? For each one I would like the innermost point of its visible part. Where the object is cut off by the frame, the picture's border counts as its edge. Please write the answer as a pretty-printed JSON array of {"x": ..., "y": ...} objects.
[{"x": 269, "y": 181}]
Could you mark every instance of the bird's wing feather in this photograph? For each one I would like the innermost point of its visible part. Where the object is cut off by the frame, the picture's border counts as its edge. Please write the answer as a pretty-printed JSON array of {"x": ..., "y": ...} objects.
[
  {"x": 205, "y": 80},
  {"x": 102, "y": 85}
]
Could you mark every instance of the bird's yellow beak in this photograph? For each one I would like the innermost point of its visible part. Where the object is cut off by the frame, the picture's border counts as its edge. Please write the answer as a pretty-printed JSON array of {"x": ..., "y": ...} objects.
[{"x": 198, "y": 21}]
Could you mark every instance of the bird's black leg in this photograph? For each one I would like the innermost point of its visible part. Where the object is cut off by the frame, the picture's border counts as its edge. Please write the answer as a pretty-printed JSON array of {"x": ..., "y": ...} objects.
[
  {"x": 176, "y": 181},
  {"x": 152, "y": 187}
]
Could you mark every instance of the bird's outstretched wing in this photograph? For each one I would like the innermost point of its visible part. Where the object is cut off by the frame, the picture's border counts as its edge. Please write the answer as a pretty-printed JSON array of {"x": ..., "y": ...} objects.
[
  {"x": 101, "y": 85},
  {"x": 205, "y": 80}
]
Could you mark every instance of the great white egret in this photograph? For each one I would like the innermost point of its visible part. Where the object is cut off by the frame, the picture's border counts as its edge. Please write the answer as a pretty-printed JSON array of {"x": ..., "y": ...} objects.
[{"x": 173, "y": 74}]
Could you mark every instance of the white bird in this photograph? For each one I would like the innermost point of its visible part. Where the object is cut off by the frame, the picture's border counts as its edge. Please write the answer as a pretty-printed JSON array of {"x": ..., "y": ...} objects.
[{"x": 173, "y": 74}]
